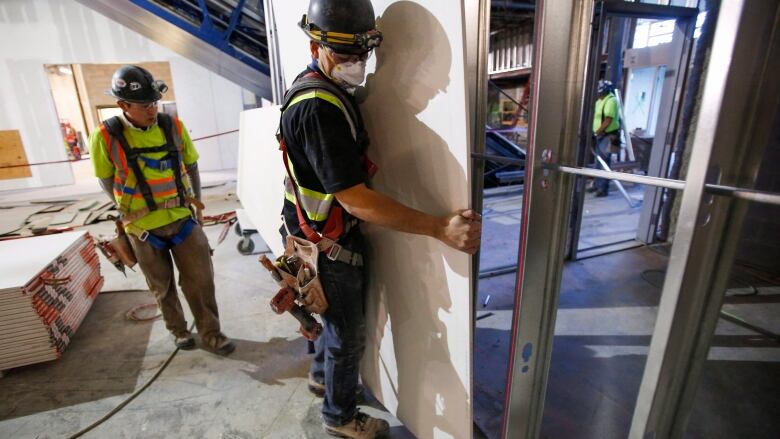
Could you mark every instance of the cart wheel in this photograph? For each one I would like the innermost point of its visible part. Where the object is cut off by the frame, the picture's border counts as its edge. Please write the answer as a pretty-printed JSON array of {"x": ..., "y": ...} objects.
[
  {"x": 246, "y": 246},
  {"x": 237, "y": 229}
]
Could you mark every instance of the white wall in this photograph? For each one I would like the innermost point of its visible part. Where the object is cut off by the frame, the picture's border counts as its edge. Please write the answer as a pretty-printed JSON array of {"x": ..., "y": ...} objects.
[{"x": 38, "y": 32}]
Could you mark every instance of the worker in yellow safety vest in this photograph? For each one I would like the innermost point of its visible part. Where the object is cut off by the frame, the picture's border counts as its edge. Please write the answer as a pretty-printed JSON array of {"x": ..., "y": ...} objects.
[
  {"x": 323, "y": 144},
  {"x": 606, "y": 130},
  {"x": 147, "y": 164}
]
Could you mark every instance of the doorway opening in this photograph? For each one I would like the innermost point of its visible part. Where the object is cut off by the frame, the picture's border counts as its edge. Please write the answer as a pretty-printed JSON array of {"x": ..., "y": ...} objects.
[
  {"x": 638, "y": 68},
  {"x": 78, "y": 94}
]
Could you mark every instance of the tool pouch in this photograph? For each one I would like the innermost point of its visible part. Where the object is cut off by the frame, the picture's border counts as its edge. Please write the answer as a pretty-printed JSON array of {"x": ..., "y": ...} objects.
[
  {"x": 124, "y": 250},
  {"x": 310, "y": 291}
]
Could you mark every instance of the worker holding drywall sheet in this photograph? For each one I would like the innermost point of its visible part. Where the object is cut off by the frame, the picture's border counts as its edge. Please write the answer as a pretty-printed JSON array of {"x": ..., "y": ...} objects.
[{"x": 324, "y": 147}]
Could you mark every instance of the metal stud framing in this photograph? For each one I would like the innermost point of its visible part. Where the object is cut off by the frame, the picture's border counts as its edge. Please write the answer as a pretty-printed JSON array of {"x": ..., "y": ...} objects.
[
  {"x": 742, "y": 74},
  {"x": 562, "y": 37},
  {"x": 741, "y": 82}
]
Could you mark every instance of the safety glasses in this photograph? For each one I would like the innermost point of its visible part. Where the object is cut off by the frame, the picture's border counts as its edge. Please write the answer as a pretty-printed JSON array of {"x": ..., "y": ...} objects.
[
  {"x": 145, "y": 107},
  {"x": 349, "y": 57}
]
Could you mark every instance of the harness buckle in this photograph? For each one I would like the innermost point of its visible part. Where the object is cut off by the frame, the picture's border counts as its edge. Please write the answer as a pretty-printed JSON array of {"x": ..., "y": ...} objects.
[
  {"x": 144, "y": 236},
  {"x": 334, "y": 251}
]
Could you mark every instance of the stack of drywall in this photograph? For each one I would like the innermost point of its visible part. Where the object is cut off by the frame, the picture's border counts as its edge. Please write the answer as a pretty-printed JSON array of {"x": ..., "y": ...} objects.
[{"x": 47, "y": 285}]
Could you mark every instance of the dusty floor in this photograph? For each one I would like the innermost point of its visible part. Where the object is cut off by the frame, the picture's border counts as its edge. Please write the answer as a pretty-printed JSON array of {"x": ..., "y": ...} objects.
[
  {"x": 606, "y": 315},
  {"x": 257, "y": 392}
]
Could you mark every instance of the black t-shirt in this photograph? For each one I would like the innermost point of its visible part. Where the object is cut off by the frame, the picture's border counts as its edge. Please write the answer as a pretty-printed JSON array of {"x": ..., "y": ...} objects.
[{"x": 325, "y": 156}]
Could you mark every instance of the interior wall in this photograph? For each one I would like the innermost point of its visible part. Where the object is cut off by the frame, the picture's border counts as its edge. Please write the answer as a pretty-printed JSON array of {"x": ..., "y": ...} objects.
[
  {"x": 417, "y": 360},
  {"x": 66, "y": 32}
]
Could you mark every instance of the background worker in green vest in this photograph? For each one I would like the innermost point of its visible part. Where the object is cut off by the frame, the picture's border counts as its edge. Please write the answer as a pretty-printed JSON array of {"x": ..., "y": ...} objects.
[
  {"x": 606, "y": 128},
  {"x": 324, "y": 149},
  {"x": 148, "y": 165}
]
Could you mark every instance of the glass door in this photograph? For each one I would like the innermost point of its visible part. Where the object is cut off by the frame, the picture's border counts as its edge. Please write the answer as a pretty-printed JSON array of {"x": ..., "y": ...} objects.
[{"x": 722, "y": 164}]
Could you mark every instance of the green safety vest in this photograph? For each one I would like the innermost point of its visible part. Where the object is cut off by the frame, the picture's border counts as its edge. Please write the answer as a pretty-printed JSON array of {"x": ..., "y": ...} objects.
[{"x": 130, "y": 181}]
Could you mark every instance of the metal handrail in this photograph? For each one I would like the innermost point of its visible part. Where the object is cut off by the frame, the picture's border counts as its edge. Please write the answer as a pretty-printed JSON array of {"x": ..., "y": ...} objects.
[
  {"x": 620, "y": 176},
  {"x": 714, "y": 189}
]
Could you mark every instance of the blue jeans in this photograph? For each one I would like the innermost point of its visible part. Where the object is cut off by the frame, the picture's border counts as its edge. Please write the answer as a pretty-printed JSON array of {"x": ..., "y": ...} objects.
[
  {"x": 603, "y": 149},
  {"x": 340, "y": 347}
]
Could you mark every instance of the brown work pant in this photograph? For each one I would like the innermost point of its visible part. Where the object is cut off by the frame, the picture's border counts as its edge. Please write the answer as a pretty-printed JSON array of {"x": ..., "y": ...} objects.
[{"x": 196, "y": 279}]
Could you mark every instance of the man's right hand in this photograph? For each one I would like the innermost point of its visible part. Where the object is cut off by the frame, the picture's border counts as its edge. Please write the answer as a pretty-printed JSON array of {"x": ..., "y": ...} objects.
[{"x": 463, "y": 231}]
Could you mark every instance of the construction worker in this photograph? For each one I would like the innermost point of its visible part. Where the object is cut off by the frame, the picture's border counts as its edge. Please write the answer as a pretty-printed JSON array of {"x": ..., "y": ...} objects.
[
  {"x": 324, "y": 148},
  {"x": 148, "y": 166},
  {"x": 606, "y": 129}
]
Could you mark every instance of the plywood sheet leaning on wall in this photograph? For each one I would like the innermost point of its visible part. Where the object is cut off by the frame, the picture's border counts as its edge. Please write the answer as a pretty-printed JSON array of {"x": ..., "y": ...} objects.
[
  {"x": 261, "y": 174},
  {"x": 11, "y": 154},
  {"x": 418, "y": 358}
]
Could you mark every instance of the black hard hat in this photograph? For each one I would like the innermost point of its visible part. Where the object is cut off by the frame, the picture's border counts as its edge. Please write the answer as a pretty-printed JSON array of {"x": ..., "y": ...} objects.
[
  {"x": 346, "y": 26},
  {"x": 135, "y": 84}
]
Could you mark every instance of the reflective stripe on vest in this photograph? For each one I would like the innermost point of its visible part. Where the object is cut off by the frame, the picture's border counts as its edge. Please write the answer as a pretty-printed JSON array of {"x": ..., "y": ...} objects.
[
  {"x": 315, "y": 204},
  {"x": 125, "y": 182},
  {"x": 162, "y": 187}
]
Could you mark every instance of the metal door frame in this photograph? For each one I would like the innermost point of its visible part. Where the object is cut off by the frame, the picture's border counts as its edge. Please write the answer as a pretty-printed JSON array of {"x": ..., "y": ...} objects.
[
  {"x": 666, "y": 123},
  {"x": 746, "y": 45},
  {"x": 684, "y": 27}
]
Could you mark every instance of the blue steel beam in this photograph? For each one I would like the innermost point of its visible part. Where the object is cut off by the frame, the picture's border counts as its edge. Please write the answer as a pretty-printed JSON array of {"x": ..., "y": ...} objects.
[{"x": 207, "y": 31}]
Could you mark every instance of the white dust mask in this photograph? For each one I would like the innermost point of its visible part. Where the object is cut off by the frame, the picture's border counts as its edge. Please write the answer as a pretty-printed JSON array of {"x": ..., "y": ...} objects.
[{"x": 351, "y": 74}]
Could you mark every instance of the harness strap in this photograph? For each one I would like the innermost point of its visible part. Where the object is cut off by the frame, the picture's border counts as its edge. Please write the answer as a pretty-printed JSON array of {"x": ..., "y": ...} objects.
[
  {"x": 167, "y": 126},
  {"x": 335, "y": 252},
  {"x": 310, "y": 233},
  {"x": 314, "y": 81},
  {"x": 334, "y": 227},
  {"x": 163, "y": 243},
  {"x": 160, "y": 165},
  {"x": 116, "y": 128},
  {"x": 128, "y": 217}
]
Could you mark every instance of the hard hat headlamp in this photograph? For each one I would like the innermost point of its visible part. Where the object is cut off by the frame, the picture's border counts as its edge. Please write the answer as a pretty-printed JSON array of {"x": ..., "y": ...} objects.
[
  {"x": 160, "y": 86},
  {"x": 357, "y": 43}
]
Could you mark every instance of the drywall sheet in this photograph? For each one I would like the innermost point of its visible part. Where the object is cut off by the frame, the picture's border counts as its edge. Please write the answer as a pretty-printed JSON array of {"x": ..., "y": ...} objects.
[
  {"x": 23, "y": 259},
  {"x": 418, "y": 359},
  {"x": 261, "y": 174}
]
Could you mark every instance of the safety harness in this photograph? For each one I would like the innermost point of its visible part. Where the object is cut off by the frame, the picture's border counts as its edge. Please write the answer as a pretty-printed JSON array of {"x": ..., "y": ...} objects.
[
  {"x": 319, "y": 206},
  {"x": 129, "y": 179}
]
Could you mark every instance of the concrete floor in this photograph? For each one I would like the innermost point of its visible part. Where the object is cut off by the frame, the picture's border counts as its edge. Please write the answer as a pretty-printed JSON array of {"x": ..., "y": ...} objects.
[
  {"x": 607, "y": 311},
  {"x": 257, "y": 392},
  {"x": 610, "y": 219},
  {"x": 603, "y": 328}
]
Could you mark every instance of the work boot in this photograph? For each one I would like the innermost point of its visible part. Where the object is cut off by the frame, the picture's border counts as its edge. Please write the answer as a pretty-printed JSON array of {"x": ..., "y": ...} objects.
[
  {"x": 318, "y": 389},
  {"x": 184, "y": 341},
  {"x": 219, "y": 343},
  {"x": 361, "y": 426}
]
